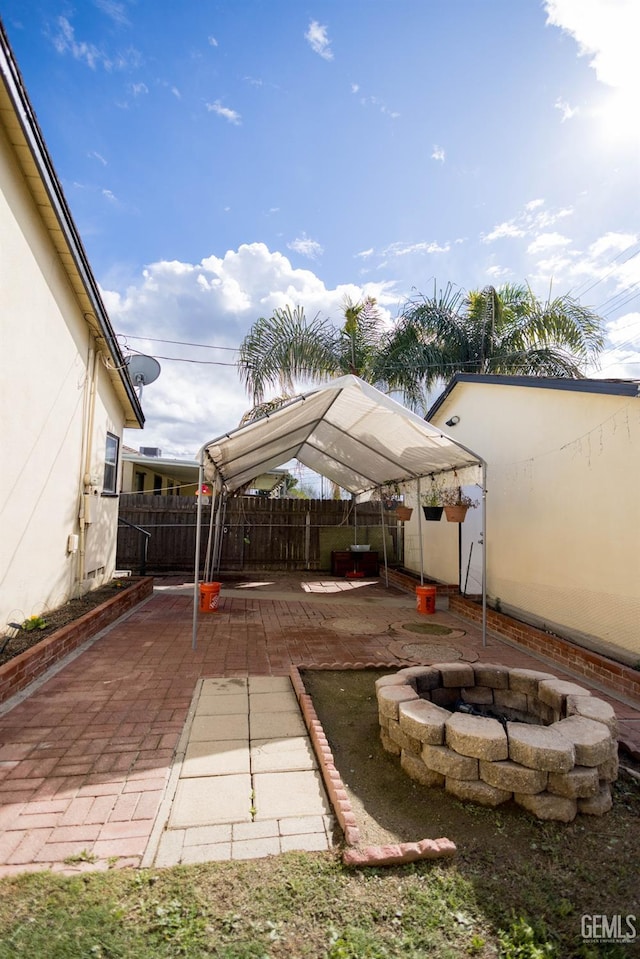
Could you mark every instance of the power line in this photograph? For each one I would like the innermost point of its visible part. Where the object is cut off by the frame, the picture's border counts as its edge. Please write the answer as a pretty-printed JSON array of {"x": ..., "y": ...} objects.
[{"x": 204, "y": 346}]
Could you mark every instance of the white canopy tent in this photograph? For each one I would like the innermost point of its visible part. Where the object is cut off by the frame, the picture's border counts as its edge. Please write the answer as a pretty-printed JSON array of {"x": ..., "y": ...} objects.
[{"x": 345, "y": 430}]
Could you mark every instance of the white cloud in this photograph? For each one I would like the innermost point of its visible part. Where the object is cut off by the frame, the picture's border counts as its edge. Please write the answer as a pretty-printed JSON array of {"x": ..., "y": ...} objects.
[
  {"x": 380, "y": 105},
  {"x": 138, "y": 88},
  {"x": 97, "y": 156},
  {"x": 502, "y": 230},
  {"x": 406, "y": 249},
  {"x": 176, "y": 93},
  {"x": 606, "y": 32},
  {"x": 212, "y": 41},
  {"x": 438, "y": 153},
  {"x": 116, "y": 11},
  {"x": 498, "y": 272},
  {"x": 355, "y": 87},
  {"x": 306, "y": 247},
  {"x": 317, "y": 38},
  {"x": 568, "y": 112},
  {"x": 547, "y": 241},
  {"x": 65, "y": 41},
  {"x": 108, "y": 195},
  {"x": 231, "y": 115},
  {"x": 611, "y": 243},
  {"x": 530, "y": 222},
  {"x": 364, "y": 254},
  {"x": 212, "y": 302},
  {"x": 621, "y": 357}
]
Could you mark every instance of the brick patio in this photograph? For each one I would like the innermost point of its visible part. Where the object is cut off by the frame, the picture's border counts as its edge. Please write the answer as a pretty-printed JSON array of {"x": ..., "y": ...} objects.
[{"x": 85, "y": 755}]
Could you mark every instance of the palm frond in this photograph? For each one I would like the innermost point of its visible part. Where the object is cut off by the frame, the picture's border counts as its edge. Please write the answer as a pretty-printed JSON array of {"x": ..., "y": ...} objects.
[{"x": 283, "y": 346}]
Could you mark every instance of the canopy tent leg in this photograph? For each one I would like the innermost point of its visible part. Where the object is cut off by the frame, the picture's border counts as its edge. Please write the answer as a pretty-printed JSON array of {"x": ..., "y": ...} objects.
[
  {"x": 207, "y": 561},
  {"x": 484, "y": 553},
  {"x": 217, "y": 545},
  {"x": 196, "y": 565},
  {"x": 384, "y": 546},
  {"x": 419, "y": 487},
  {"x": 354, "y": 507}
]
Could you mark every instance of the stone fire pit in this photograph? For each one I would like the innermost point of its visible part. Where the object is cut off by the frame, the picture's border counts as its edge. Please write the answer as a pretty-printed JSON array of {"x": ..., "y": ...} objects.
[{"x": 521, "y": 734}]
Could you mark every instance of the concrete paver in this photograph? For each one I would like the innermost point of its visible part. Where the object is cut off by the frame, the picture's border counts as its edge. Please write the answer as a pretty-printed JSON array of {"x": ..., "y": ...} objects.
[
  {"x": 285, "y": 794},
  {"x": 212, "y": 799},
  {"x": 282, "y": 754},
  {"x": 221, "y": 727},
  {"x": 266, "y": 725},
  {"x": 216, "y": 758}
]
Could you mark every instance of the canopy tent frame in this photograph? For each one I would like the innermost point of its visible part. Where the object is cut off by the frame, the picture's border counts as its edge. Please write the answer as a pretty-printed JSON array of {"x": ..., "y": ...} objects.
[{"x": 345, "y": 409}]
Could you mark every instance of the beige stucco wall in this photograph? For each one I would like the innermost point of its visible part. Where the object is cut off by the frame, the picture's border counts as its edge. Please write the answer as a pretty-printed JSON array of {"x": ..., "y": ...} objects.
[
  {"x": 563, "y": 514},
  {"x": 44, "y": 397}
]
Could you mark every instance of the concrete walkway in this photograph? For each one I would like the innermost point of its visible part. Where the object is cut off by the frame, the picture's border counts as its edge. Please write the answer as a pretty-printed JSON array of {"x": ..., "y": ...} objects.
[
  {"x": 245, "y": 781},
  {"x": 139, "y": 749}
]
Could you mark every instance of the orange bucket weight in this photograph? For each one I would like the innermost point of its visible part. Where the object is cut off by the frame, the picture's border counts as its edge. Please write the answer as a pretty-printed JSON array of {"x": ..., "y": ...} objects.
[
  {"x": 209, "y": 597},
  {"x": 426, "y": 599}
]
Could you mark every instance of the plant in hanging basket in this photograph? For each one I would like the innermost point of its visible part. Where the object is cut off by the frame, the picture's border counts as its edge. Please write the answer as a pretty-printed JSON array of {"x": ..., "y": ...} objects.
[
  {"x": 456, "y": 504},
  {"x": 403, "y": 513},
  {"x": 432, "y": 503},
  {"x": 390, "y": 494}
]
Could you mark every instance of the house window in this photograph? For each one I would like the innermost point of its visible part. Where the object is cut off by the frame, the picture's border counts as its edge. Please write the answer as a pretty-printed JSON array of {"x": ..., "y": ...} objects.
[
  {"x": 139, "y": 482},
  {"x": 109, "y": 484},
  {"x": 157, "y": 485}
]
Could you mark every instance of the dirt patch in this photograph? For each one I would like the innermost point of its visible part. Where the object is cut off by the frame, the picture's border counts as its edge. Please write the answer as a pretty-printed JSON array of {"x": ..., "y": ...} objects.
[
  {"x": 390, "y": 807},
  {"x": 18, "y": 641}
]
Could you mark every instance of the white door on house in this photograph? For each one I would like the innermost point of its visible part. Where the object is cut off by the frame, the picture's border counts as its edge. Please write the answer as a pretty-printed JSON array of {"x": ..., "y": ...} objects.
[{"x": 471, "y": 546}]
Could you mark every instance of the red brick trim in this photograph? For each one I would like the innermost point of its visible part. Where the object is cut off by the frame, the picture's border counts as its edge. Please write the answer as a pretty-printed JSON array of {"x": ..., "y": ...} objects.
[
  {"x": 408, "y": 582},
  {"x": 19, "y": 672},
  {"x": 388, "y": 855},
  {"x": 620, "y": 678}
]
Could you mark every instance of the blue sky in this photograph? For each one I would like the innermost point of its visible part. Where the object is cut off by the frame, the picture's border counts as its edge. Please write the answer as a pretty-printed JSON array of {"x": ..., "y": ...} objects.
[{"x": 225, "y": 157}]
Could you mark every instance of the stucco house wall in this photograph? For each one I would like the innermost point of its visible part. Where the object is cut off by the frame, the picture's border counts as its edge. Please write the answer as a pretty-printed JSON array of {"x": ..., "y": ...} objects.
[
  {"x": 563, "y": 514},
  {"x": 60, "y": 388}
]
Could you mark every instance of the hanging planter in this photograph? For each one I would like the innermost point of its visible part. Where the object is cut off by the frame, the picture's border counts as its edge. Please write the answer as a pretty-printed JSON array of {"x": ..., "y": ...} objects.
[
  {"x": 456, "y": 504},
  {"x": 455, "y": 514},
  {"x": 433, "y": 502},
  {"x": 403, "y": 513}
]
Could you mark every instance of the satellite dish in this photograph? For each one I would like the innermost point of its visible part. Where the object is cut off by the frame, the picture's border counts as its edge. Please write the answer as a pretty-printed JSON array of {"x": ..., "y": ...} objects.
[{"x": 143, "y": 370}]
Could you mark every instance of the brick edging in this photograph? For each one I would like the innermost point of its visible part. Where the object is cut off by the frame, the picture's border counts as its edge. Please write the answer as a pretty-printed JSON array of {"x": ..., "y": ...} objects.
[
  {"x": 391, "y": 854},
  {"x": 587, "y": 663},
  {"x": 407, "y": 582},
  {"x": 28, "y": 666}
]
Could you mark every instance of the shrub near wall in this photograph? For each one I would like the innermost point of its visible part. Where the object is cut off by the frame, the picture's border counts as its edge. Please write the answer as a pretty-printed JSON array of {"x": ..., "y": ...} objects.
[{"x": 19, "y": 672}]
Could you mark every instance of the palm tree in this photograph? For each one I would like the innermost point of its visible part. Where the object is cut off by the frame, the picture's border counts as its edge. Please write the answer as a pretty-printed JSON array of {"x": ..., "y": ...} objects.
[
  {"x": 507, "y": 331},
  {"x": 286, "y": 346},
  {"x": 488, "y": 331}
]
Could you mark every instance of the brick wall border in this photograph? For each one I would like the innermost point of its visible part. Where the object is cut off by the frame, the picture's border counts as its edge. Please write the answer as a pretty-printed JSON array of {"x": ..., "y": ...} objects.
[
  {"x": 618, "y": 676},
  {"x": 22, "y": 670},
  {"x": 587, "y": 663}
]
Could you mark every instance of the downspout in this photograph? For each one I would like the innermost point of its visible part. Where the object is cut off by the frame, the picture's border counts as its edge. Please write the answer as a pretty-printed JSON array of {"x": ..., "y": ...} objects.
[{"x": 84, "y": 512}]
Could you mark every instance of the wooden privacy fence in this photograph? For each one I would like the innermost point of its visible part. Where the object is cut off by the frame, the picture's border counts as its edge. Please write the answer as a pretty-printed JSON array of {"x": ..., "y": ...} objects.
[{"x": 259, "y": 533}]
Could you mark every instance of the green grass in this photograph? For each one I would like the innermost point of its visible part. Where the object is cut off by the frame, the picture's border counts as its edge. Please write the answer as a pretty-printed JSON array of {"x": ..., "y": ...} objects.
[
  {"x": 297, "y": 905},
  {"x": 294, "y": 906}
]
